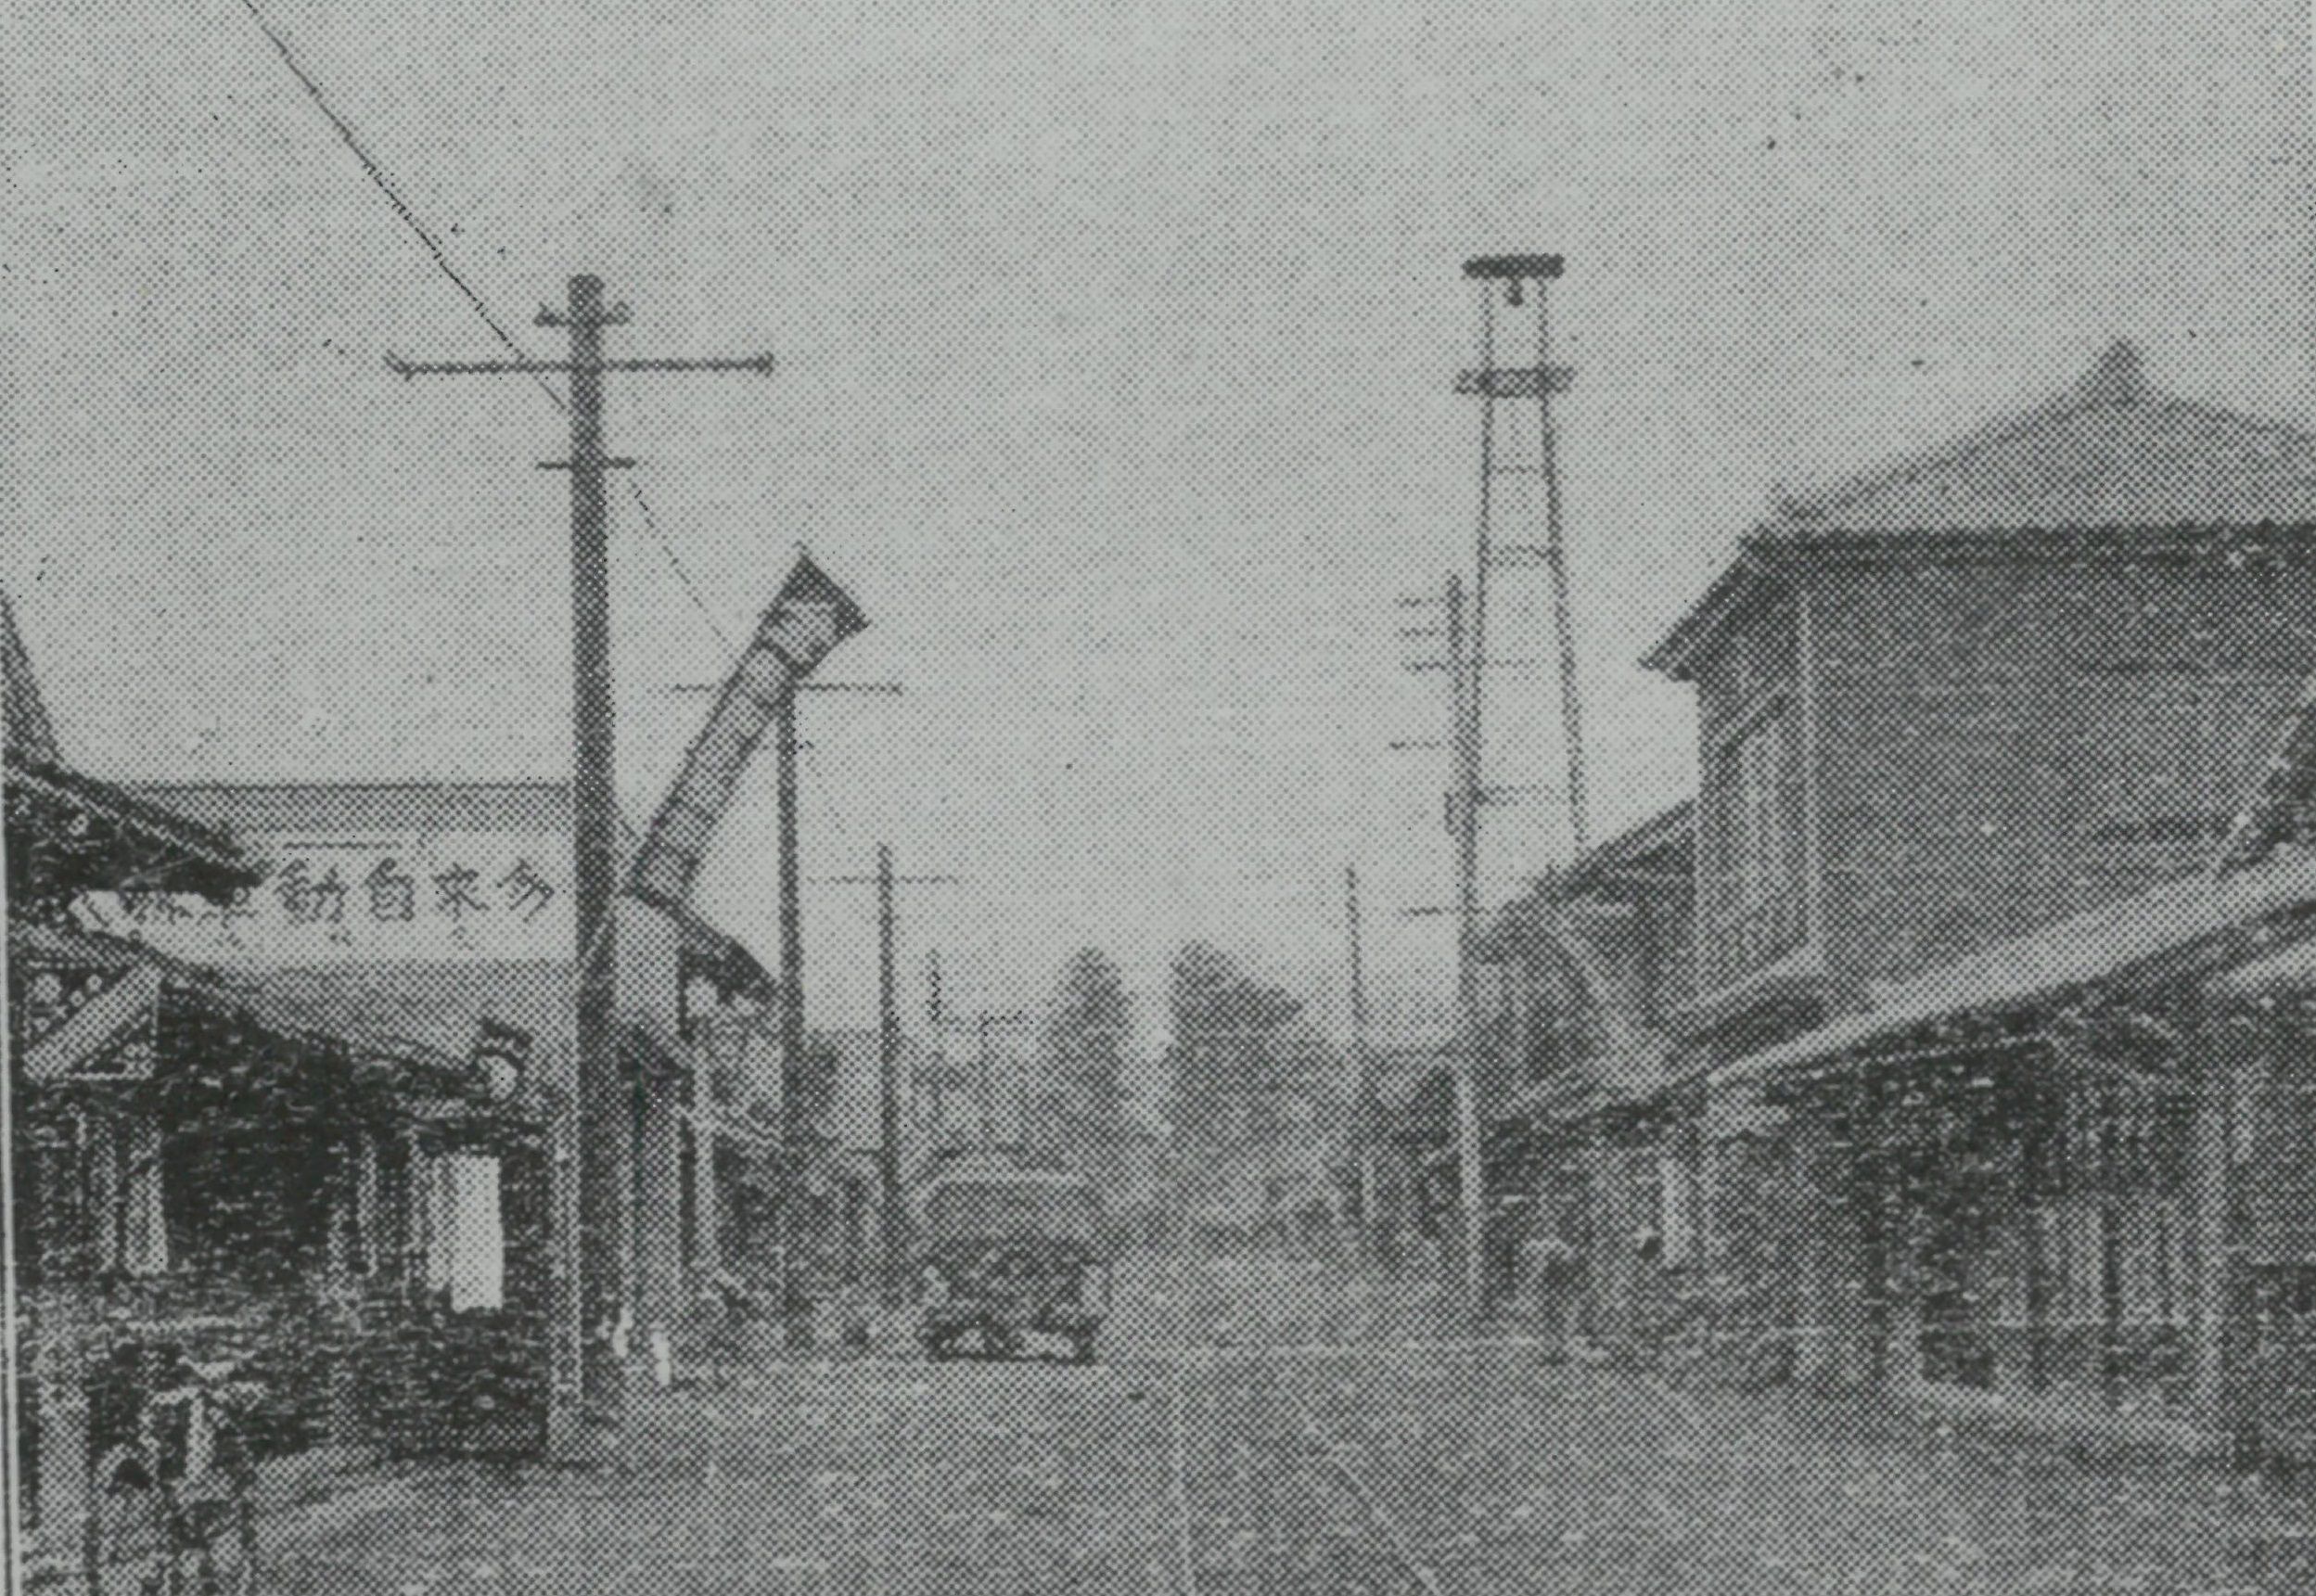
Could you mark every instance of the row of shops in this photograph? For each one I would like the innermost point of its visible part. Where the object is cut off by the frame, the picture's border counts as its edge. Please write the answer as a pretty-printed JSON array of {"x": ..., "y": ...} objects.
[
  {"x": 1959, "y": 1040},
  {"x": 292, "y": 1075}
]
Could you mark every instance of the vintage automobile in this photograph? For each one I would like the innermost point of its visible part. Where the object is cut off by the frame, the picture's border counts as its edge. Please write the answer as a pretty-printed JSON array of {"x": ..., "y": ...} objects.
[{"x": 1008, "y": 1254}]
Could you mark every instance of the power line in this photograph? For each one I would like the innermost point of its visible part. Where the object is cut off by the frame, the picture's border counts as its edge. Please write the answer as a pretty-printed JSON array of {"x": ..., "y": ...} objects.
[
  {"x": 434, "y": 248},
  {"x": 385, "y": 186}
]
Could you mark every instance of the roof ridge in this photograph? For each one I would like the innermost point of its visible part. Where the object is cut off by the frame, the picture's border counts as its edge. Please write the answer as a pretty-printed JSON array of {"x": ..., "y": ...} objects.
[{"x": 2115, "y": 378}]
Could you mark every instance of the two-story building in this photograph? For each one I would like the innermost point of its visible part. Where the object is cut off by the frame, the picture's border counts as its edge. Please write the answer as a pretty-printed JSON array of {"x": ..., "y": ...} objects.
[{"x": 2007, "y": 689}]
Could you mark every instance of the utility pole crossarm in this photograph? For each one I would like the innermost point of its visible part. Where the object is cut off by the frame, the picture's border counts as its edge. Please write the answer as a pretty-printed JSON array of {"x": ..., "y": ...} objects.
[
  {"x": 880, "y": 880},
  {"x": 762, "y": 364}
]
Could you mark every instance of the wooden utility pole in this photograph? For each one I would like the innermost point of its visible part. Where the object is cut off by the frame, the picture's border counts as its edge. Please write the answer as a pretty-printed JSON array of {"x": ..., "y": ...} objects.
[
  {"x": 791, "y": 894},
  {"x": 790, "y": 1185},
  {"x": 1464, "y": 670},
  {"x": 894, "y": 1230},
  {"x": 937, "y": 1023},
  {"x": 790, "y": 884},
  {"x": 1368, "y": 1112},
  {"x": 605, "y": 1108},
  {"x": 888, "y": 1085}
]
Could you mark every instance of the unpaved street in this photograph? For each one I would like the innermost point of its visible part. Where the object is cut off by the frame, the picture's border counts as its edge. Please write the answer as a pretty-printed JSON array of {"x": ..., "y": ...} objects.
[{"x": 1285, "y": 1464}]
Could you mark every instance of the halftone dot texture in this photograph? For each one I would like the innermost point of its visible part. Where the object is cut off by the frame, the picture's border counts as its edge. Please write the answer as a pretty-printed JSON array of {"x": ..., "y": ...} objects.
[{"x": 1892, "y": 1098}]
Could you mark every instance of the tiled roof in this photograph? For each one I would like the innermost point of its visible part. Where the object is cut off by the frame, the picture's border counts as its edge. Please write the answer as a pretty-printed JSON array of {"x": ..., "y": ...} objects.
[
  {"x": 1668, "y": 830},
  {"x": 2110, "y": 452},
  {"x": 358, "y": 1007},
  {"x": 113, "y": 836},
  {"x": 2111, "y": 456},
  {"x": 434, "y": 1004}
]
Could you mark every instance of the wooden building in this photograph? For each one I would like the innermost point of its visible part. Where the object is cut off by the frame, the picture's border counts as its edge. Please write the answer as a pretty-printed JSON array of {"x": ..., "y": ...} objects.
[
  {"x": 203, "y": 1160},
  {"x": 1924, "y": 1013},
  {"x": 447, "y": 906}
]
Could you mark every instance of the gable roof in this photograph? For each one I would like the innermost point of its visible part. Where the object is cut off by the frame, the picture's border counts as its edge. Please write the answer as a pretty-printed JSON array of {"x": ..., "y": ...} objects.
[
  {"x": 2110, "y": 455},
  {"x": 68, "y": 832},
  {"x": 1626, "y": 855},
  {"x": 2110, "y": 452},
  {"x": 285, "y": 1002}
]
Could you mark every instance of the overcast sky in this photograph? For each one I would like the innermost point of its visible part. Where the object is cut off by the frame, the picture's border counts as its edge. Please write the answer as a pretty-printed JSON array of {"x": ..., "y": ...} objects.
[{"x": 1116, "y": 351}]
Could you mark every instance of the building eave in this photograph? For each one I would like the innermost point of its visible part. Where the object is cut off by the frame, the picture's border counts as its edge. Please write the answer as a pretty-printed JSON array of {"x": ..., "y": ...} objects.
[
  {"x": 1704, "y": 619},
  {"x": 124, "y": 837},
  {"x": 1772, "y": 553}
]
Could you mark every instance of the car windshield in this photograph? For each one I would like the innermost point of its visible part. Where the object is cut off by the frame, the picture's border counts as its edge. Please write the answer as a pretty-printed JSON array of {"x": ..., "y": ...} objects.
[{"x": 975, "y": 1210}]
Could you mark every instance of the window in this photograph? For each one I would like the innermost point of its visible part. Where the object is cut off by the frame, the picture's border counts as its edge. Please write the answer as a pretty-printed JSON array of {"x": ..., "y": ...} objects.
[
  {"x": 1756, "y": 804},
  {"x": 144, "y": 1219},
  {"x": 2157, "y": 1284},
  {"x": 465, "y": 1246},
  {"x": 128, "y": 1228},
  {"x": 360, "y": 1207},
  {"x": 2074, "y": 1260}
]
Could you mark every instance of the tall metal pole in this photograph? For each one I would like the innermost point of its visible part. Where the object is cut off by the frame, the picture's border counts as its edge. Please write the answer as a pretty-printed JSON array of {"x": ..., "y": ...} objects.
[
  {"x": 889, "y": 1082},
  {"x": 1464, "y": 672}
]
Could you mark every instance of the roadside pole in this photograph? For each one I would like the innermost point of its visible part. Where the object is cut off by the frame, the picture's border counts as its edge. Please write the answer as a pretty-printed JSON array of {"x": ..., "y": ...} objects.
[
  {"x": 605, "y": 1214},
  {"x": 893, "y": 1228},
  {"x": 1363, "y": 1068},
  {"x": 1465, "y": 669},
  {"x": 794, "y": 1323}
]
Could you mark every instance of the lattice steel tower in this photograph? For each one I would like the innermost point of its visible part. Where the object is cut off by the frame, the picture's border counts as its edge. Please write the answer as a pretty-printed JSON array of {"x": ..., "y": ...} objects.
[{"x": 1516, "y": 280}]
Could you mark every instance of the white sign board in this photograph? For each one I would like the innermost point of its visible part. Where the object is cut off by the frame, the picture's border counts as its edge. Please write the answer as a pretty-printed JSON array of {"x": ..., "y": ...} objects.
[{"x": 366, "y": 898}]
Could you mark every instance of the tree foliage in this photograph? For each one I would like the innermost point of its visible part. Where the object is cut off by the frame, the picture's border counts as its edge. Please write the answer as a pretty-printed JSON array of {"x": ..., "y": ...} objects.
[
  {"x": 1247, "y": 1074},
  {"x": 1080, "y": 1117}
]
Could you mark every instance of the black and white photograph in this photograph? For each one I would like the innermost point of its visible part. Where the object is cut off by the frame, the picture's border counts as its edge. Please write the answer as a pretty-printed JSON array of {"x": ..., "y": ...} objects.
[{"x": 983, "y": 797}]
